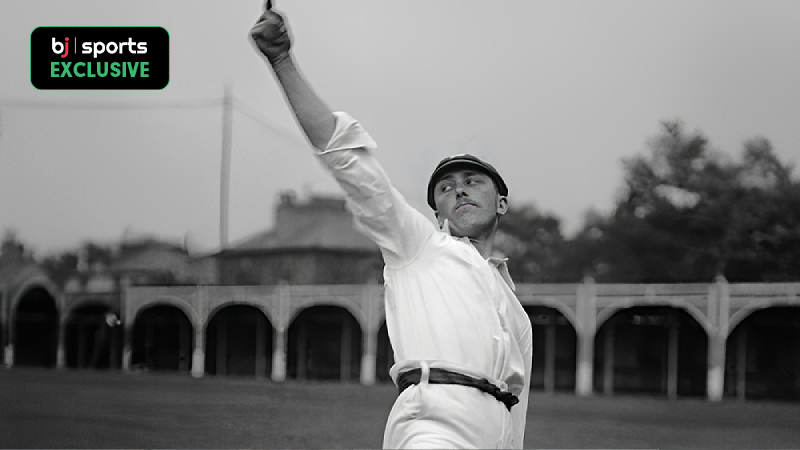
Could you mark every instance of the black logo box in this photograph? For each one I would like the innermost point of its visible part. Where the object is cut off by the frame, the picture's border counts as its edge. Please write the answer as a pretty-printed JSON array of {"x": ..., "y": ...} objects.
[{"x": 153, "y": 74}]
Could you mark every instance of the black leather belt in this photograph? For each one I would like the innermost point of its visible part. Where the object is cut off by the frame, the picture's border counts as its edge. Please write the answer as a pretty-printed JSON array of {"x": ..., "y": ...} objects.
[{"x": 441, "y": 376}]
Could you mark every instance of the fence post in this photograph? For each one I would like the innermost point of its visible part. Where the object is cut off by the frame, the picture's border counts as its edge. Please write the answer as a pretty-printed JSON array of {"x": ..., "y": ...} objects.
[
  {"x": 587, "y": 319},
  {"x": 6, "y": 338},
  {"x": 279, "y": 340},
  {"x": 198, "y": 368},
  {"x": 718, "y": 305}
]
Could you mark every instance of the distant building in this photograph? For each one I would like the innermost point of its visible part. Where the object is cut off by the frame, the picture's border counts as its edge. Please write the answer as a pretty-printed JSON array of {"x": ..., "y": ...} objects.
[
  {"x": 304, "y": 300},
  {"x": 153, "y": 262},
  {"x": 93, "y": 300},
  {"x": 313, "y": 242},
  {"x": 29, "y": 311}
]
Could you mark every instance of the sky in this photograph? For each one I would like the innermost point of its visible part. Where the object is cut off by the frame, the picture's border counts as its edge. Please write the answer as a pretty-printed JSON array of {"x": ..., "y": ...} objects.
[{"x": 553, "y": 93}]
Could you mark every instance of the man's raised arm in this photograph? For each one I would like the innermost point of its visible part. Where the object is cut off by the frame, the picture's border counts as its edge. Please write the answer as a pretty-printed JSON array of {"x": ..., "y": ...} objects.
[
  {"x": 380, "y": 211},
  {"x": 272, "y": 38}
]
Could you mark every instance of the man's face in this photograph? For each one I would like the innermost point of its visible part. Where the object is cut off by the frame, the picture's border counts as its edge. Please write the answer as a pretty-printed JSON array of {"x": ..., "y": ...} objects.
[{"x": 468, "y": 199}]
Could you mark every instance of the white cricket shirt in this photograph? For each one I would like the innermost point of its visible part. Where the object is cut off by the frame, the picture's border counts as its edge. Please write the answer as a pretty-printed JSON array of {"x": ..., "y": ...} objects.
[{"x": 445, "y": 303}]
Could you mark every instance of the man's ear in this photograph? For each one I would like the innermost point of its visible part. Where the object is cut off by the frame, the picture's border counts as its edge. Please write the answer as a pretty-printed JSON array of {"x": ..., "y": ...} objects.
[
  {"x": 439, "y": 219},
  {"x": 502, "y": 205}
]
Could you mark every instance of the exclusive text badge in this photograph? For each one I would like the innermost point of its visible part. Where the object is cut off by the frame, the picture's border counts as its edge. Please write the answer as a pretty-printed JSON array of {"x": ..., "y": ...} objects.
[{"x": 99, "y": 58}]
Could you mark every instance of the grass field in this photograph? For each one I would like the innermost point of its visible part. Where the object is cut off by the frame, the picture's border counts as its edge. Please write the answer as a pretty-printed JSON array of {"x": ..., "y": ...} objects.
[{"x": 68, "y": 409}]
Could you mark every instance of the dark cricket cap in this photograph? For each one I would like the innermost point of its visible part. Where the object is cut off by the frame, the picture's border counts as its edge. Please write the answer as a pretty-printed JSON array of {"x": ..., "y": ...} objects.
[{"x": 461, "y": 161}]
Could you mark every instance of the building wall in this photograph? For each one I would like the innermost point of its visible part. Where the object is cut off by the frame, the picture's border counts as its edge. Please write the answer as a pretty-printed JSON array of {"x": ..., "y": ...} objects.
[
  {"x": 702, "y": 338},
  {"x": 681, "y": 318},
  {"x": 301, "y": 267}
]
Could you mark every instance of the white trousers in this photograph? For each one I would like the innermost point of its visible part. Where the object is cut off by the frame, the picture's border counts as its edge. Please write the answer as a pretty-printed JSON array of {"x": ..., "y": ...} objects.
[{"x": 447, "y": 416}]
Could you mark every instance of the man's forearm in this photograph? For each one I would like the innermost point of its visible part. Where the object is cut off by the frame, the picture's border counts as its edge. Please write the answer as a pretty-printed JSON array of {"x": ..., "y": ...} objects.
[{"x": 315, "y": 117}]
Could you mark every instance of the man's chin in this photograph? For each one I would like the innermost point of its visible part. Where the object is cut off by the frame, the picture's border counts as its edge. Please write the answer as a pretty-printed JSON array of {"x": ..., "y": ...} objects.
[
  {"x": 461, "y": 231},
  {"x": 454, "y": 230}
]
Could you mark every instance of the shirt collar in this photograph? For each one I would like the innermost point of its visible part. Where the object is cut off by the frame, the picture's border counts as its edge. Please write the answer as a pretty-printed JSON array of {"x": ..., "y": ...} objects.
[{"x": 499, "y": 263}]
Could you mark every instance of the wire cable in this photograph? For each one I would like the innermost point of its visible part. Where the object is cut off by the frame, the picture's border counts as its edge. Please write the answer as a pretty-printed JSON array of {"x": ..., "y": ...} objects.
[
  {"x": 172, "y": 104},
  {"x": 251, "y": 113},
  {"x": 238, "y": 105}
]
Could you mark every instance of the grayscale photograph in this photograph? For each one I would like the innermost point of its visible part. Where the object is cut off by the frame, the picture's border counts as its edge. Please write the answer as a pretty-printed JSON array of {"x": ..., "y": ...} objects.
[{"x": 544, "y": 224}]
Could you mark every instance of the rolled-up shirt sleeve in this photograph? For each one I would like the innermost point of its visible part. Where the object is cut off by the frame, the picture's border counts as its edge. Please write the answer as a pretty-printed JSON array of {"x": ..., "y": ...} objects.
[{"x": 378, "y": 209}]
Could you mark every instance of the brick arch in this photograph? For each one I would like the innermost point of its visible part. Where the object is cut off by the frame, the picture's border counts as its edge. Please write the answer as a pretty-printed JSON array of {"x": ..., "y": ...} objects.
[
  {"x": 743, "y": 313},
  {"x": 71, "y": 306},
  {"x": 622, "y": 304},
  {"x": 91, "y": 340},
  {"x": 665, "y": 356},
  {"x": 260, "y": 306},
  {"x": 35, "y": 333},
  {"x": 556, "y": 304},
  {"x": 352, "y": 306},
  {"x": 245, "y": 348},
  {"x": 154, "y": 353},
  {"x": 163, "y": 300},
  {"x": 554, "y": 347},
  {"x": 762, "y": 345},
  {"x": 323, "y": 346},
  {"x": 41, "y": 282},
  {"x": 88, "y": 303}
]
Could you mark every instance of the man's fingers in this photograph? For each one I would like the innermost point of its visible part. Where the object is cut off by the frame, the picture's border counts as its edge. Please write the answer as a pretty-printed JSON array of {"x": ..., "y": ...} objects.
[
  {"x": 270, "y": 35},
  {"x": 272, "y": 18},
  {"x": 266, "y": 13}
]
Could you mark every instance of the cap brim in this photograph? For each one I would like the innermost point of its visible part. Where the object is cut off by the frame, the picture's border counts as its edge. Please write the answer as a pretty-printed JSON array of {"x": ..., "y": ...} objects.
[{"x": 457, "y": 163}]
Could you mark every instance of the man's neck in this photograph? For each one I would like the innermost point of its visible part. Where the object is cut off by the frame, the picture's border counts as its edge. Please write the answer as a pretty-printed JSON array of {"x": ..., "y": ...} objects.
[
  {"x": 485, "y": 242},
  {"x": 482, "y": 241}
]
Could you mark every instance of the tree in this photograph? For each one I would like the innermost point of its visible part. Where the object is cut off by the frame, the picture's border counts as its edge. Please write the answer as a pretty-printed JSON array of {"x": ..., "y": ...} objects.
[
  {"x": 761, "y": 168},
  {"x": 587, "y": 253},
  {"x": 688, "y": 213},
  {"x": 765, "y": 233},
  {"x": 12, "y": 250},
  {"x": 532, "y": 241},
  {"x": 62, "y": 266},
  {"x": 668, "y": 224}
]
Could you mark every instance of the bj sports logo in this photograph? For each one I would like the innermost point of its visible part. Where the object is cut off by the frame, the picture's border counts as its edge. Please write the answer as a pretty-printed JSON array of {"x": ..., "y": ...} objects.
[{"x": 99, "y": 58}]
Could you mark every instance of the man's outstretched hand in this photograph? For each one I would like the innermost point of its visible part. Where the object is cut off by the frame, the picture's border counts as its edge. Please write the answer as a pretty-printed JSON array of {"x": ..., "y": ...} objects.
[
  {"x": 270, "y": 35},
  {"x": 315, "y": 117}
]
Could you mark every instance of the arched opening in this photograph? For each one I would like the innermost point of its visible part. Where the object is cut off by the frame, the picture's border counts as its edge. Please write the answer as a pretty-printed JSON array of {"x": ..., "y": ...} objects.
[
  {"x": 93, "y": 338},
  {"x": 324, "y": 344},
  {"x": 162, "y": 340},
  {"x": 762, "y": 360},
  {"x": 554, "y": 350},
  {"x": 239, "y": 342},
  {"x": 384, "y": 357},
  {"x": 36, "y": 329},
  {"x": 651, "y": 350}
]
